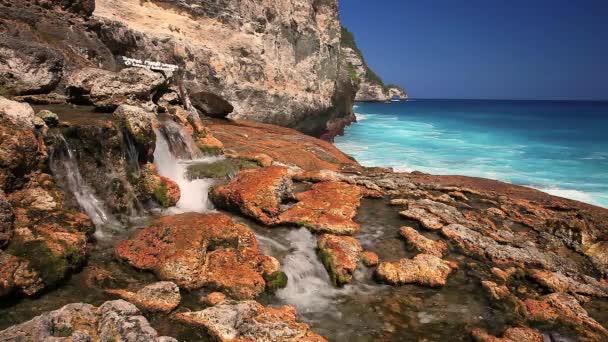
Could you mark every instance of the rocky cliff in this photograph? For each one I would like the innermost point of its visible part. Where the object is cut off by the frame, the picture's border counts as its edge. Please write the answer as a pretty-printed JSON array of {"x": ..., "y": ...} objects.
[
  {"x": 272, "y": 61},
  {"x": 371, "y": 87}
]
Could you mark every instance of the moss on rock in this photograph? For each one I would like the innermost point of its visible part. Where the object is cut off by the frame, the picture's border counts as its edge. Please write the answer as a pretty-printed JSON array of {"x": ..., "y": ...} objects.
[{"x": 275, "y": 281}]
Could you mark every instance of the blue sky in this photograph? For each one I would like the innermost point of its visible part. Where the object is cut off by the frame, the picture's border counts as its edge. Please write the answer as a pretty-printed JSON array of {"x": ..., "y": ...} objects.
[{"x": 535, "y": 49}]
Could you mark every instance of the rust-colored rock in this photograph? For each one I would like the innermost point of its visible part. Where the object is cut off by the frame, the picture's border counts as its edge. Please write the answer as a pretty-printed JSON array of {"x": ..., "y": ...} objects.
[
  {"x": 340, "y": 255},
  {"x": 163, "y": 190},
  {"x": 250, "y": 321},
  {"x": 563, "y": 309},
  {"x": 16, "y": 274},
  {"x": 575, "y": 284},
  {"x": 329, "y": 207},
  {"x": 518, "y": 334},
  {"x": 369, "y": 258},
  {"x": 199, "y": 250},
  {"x": 284, "y": 145},
  {"x": 422, "y": 243},
  {"x": 423, "y": 269},
  {"x": 256, "y": 193},
  {"x": 162, "y": 296}
]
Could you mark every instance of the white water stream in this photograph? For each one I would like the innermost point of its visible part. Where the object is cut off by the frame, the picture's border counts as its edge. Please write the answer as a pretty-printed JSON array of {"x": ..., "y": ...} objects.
[
  {"x": 194, "y": 193},
  {"x": 83, "y": 193}
]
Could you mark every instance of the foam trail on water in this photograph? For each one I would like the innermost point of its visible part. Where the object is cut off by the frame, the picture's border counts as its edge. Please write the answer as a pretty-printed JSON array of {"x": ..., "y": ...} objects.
[
  {"x": 194, "y": 193},
  {"x": 86, "y": 198}
]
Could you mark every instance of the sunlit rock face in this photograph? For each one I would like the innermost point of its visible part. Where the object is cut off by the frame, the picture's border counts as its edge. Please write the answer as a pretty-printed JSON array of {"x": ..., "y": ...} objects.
[{"x": 273, "y": 61}]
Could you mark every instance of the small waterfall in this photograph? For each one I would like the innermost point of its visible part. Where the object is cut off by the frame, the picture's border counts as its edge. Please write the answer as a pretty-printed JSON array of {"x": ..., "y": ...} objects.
[
  {"x": 309, "y": 287},
  {"x": 130, "y": 153},
  {"x": 175, "y": 151},
  {"x": 65, "y": 166},
  {"x": 180, "y": 143}
]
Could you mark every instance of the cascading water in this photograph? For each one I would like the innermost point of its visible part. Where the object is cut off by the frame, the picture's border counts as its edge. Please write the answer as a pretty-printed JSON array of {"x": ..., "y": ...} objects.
[
  {"x": 65, "y": 166},
  {"x": 174, "y": 152},
  {"x": 309, "y": 287}
]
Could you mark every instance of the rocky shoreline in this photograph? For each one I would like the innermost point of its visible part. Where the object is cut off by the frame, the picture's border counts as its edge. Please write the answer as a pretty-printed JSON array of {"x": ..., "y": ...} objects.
[
  {"x": 538, "y": 259},
  {"x": 134, "y": 207}
]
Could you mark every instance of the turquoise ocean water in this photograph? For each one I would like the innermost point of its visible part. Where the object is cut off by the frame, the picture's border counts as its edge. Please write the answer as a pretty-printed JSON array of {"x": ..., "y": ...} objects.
[{"x": 560, "y": 147}]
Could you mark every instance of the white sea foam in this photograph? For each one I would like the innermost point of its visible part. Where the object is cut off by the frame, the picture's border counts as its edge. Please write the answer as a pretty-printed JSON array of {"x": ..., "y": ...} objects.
[
  {"x": 360, "y": 117},
  {"x": 571, "y": 194}
]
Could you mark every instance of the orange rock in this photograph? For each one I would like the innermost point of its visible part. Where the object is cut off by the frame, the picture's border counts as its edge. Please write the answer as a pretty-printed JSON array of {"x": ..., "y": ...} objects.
[
  {"x": 329, "y": 207},
  {"x": 519, "y": 334},
  {"x": 422, "y": 243},
  {"x": 340, "y": 255},
  {"x": 256, "y": 193},
  {"x": 283, "y": 145},
  {"x": 424, "y": 269},
  {"x": 199, "y": 250},
  {"x": 255, "y": 323},
  {"x": 563, "y": 309},
  {"x": 16, "y": 275},
  {"x": 369, "y": 258}
]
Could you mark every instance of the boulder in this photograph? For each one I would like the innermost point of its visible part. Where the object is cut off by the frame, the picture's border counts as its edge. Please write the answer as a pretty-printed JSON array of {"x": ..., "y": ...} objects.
[
  {"x": 138, "y": 122},
  {"x": 340, "y": 255},
  {"x": 19, "y": 114},
  {"x": 50, "y": 119},
  {"x": 200, "y": 250},
  {"x": 423, "y": 269},
  {"x": 153, "y": 186},
  {"x": 16, "y": 275},
  {"x": 256, "y": 193},
  {"x": 211, "y": 104},
  {"x": 112, "y": 321},
  {"x": 162, "y": 296},
  {"x": 329, "y": 207},
  {"x": 517, "y": 334},
  {"x": 107, "y": 90},
  {"x": 52, "y": 251},
  {"x": 7, "y": 217},
  {"x": 422, "y": 243},
  {"x": 564, "y": 310},
  {"x": 250, "y": 321},
  {"x": 28, "y": 67}
]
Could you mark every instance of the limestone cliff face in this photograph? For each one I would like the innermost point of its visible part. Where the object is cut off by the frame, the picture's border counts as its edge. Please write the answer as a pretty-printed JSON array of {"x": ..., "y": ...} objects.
[
  {"x": 371, "y": 88},
  {"x": 276, "y": 61}
]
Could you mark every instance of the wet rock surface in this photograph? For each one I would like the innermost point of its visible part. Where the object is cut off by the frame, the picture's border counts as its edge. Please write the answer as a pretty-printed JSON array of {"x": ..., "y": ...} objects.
[
  {"x": 423, "y": 269},
  {"x": 509, "y": 335},
  {"x": 329, "y": 207},
  {"x": 162, "y": 296},
  {"x": 422, "y": 243},
  {"x": 256, "y": 193},
  {"x": 250, "y": 321},
  {"x": 112, "y": 321},
  {"x": 199, "y": 250},
  {"x": 340, "y": 256}
]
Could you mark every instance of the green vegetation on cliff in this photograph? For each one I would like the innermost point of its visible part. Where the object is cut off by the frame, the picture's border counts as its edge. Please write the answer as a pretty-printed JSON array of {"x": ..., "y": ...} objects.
[{"x": 348, "y": 40}]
